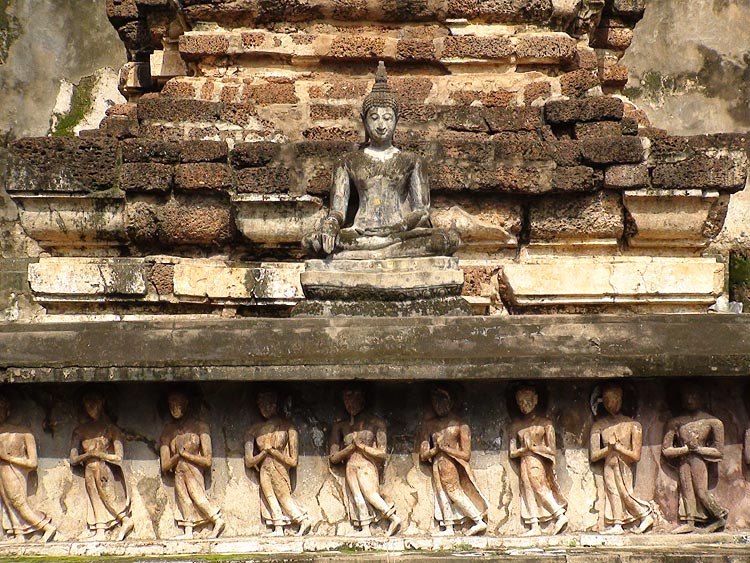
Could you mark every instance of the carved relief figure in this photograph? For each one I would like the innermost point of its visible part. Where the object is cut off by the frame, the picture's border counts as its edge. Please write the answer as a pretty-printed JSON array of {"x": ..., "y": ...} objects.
[
  {"x": 186, "y": 450},
  {"x": 360, "y": 442},
  {"x": 97, "y": 445},
  {"x": 18, "y": 457},
  {"x": 271, "y": 447},
  {"x": 532, "y": 442},
  {"x": 392, "y": 218},
  {"x": 446, "y": 443},
  {"x": 694, "y": 440},
  {"x": 616, "y": 439}
]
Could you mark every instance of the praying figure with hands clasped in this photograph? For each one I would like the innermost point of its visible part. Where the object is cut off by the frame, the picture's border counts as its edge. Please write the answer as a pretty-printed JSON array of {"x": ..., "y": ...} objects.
[
  {"x": 360, "y": 443},
  {"x": 532, "y": 442},
  {"x": 445, "y": 442},
  {"x": 694, "y": 440},
  {"x": 272, "y": 448},
  {"x": 186, "y": 450},
  {"x": 616, "y": 441}
]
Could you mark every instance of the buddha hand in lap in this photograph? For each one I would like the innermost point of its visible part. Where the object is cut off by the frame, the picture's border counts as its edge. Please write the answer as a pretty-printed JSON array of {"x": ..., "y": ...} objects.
[{"x": 393, "y": 216}]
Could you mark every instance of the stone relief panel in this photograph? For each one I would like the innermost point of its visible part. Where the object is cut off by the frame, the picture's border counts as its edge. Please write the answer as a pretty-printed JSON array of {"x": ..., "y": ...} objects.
[{"x": 226, "y": 493}]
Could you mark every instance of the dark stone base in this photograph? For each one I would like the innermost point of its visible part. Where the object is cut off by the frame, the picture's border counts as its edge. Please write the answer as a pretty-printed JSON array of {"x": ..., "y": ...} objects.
[{"x": 443, "y": 307}]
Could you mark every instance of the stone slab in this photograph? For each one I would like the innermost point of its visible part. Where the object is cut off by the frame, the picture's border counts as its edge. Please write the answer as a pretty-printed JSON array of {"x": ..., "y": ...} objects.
[
  {"x": 669, "y": 218},
  {"x": 387, "y": 279},
  {"x": 60, "y": 221},
  {"x": 276, "y": 219},
  {"x": 603, "y": 280},
  {"x": 94, "y": 277},
  {"x": 220, "y": 281},
  {"x": 423, "y": 348}
]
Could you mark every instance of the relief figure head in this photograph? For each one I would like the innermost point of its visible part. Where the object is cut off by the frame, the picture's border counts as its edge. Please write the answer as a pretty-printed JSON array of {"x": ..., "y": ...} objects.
[
  {"x": 691, "y": 397},
  {"x": 612, "y": 399},
  {"x": 268, "y": 403},
  {"x": 93, "y": 404},
  {"x": 178, "y": 404},
  {"x": 442, "y": 402},
  {"x": 527, "y": 399},
  {"x": 354, "y": 400}
]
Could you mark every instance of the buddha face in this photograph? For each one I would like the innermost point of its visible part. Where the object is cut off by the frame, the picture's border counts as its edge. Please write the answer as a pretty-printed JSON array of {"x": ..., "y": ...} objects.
[
  {"x": 354, "y": 401},
  {"x": 178, "y": 403},
  {"x": 267, "y": 404},
  {"x": 612, "y": 399},
  {"x": 94, "y": 405},
  {"x": 441, "y": 402},
  {"x": 380, "y": 124},
  {"x": 526, "y": 399}
]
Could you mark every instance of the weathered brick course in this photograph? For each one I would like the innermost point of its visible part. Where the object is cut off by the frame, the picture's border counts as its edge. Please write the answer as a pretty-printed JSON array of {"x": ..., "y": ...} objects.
[
  {"x": 203, "y": 176},
  {"x": 599, "y": 215},
  {"x": 599, "y": 108},
  {"x": 159, "y": 108},
  {"x": 266, "y": 180},
  {"x": 203, "y": 151},
  {"x": 245, "y": 155},
  {"x": 69, "y": 163},
  {"x": 146, "y": 177},
  {"x": 149, "y": 150},
  {"x": 615, "y": 150}
]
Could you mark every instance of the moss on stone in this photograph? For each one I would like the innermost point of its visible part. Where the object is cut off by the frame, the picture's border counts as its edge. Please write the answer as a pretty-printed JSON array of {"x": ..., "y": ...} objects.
[
  {"x": 9, "y": 30},
  {"x": 79, "y": 107},
  {"x": 739, "y": 279}
]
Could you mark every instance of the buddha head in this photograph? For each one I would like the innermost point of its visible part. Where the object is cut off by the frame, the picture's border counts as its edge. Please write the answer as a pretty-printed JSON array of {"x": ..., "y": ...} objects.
[{"x": 380, "y": 111}]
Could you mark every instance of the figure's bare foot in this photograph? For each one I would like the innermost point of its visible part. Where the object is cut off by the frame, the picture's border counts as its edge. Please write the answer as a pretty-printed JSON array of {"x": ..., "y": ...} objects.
[
  {"x": 535, "y": 530},
  {"x": 277, "y": 531},
  {"x": 560, "y": 524},
  {"x": 88, "y": 535},
  {"x": 644, "y": 525},
  {"x": 304, "y": 527},
  {"x": 219, "y": 526},
  {"x": 186, "y": 535},
  {"x": 615, "y": 530},
  {"x": 394, "y": 526},
  {"x": 49, "y": 532},
  {"x": 715, "y": 526},
  {"x": 446, "y": 531},
  {"x": 17, "y": 538},
  {"x": 126, "y": 526},
  {"x": 364, "y": 531},
  {"x": 688, "y": 528},
  {"x": 478, "y": 528}
]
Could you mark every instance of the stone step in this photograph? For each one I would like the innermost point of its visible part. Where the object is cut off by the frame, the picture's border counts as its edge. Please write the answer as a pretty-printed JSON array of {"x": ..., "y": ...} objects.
[{"x": 567, "y": 548}]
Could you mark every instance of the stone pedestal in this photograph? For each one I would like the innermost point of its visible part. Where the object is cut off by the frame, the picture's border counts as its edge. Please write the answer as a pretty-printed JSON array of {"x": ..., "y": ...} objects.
[{"x": 382, "y": 288}]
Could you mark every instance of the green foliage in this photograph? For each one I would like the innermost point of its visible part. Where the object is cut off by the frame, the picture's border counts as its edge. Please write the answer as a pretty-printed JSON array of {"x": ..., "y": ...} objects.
[
  {"x": 79, "y": 107},
  {"x": 739, "y": 270}
]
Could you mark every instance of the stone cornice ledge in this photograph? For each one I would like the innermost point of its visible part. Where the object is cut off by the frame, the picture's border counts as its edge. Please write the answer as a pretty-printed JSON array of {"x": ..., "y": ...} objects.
[{"x": 516, "y": 347}]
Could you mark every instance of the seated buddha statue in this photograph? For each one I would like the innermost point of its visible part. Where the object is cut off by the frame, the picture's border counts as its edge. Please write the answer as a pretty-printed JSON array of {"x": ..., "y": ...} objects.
[{"x": 391, "y": 191}]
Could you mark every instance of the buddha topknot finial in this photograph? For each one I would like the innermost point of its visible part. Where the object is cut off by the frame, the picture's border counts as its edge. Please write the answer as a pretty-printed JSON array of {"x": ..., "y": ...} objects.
[{"x": 381, "y": 95}]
